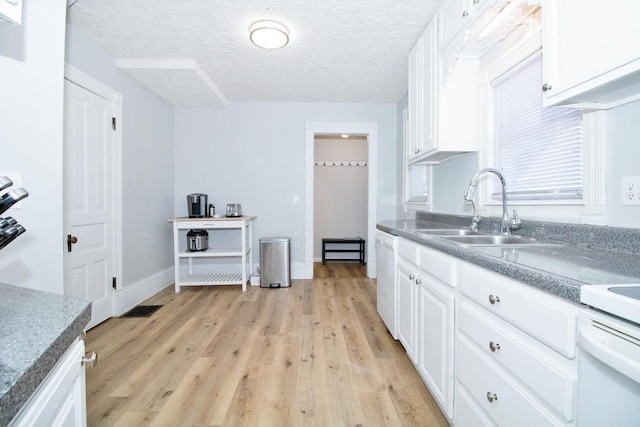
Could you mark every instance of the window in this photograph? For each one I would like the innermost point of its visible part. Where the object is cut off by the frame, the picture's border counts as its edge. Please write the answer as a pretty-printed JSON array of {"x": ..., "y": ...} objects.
[
  {"x": 538, "y": 150},
  {"x": 416, "y": 177},
  {"x": 418, "y": 184}
]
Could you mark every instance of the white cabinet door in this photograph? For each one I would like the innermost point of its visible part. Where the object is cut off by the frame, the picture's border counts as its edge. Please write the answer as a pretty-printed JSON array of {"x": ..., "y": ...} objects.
[
  {"x": 453, "y": 16},
  {"x": 429, "y": 87},
  {"x": 442, "y": 115},
  {"x": 407, "y": 307},
  {"x": 590, "y": 50},
  {"x": 11, "y": 11},
  {"x": 422, "y": 93},
  {"x": 61, "y": 398},
  {"x": 414, "y": 113},
  {"x": 435, "y": 351}
]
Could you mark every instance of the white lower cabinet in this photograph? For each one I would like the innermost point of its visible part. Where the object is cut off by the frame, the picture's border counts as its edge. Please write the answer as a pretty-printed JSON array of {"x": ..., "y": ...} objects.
[
  {"x": 435, "y": 340},
  {"x": 495, "y": 392},
  {"x": 491, "y": 350},
  {"x": 407, "y": 307},
  {"x": 515, "y": 352},
  {"x": 61, "y": 399},
  {"x": 426, "y": 317},
  {"x": 467, "y": 411}
]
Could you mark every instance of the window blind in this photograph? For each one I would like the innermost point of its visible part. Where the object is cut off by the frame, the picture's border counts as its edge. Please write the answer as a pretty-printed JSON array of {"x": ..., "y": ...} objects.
[
  {"x": 418, "y": 179},
  {"x": 538, "y": 150}
]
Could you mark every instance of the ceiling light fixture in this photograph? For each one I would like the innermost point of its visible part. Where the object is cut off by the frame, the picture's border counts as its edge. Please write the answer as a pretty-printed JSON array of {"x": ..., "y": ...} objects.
[
  {"x": 344, "y": 135},
  {"x": 268, "y": 34}
]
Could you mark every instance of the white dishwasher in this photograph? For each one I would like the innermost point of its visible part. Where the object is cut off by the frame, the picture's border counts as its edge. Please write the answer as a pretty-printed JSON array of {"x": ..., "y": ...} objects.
[
  {"x": 609, "y": 357},
  {"x": 387, "y": 293}
]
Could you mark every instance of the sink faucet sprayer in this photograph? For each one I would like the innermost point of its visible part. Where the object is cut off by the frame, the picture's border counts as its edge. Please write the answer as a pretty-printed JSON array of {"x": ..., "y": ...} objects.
[{"x": 508, "y": 222}]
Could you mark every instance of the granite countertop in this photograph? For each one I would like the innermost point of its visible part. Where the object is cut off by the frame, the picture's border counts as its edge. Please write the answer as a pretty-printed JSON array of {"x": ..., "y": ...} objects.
[
  {"x": 36, "y": 329},
  {"x": 588, "y": 255}
]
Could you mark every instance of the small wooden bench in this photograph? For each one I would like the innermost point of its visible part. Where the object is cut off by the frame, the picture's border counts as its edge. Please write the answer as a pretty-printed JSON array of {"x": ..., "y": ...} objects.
[{"x": 343, "y": 241}]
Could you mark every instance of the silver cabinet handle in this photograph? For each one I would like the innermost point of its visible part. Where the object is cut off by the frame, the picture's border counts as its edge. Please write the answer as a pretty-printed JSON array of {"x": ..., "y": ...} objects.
[
  {"x": 493, "y": 299},
  {"x": 465, "y": 14},
  {"x": 476, "y": 1},
  {"x": 418, "y": 281},
  {"x": 493, "y": 346},
  {"x": 93, "y": 360},
  {"x": 491, "y": 396},
  {"x": 546, "y": 87},
  {"x": 411, "y": 277}
]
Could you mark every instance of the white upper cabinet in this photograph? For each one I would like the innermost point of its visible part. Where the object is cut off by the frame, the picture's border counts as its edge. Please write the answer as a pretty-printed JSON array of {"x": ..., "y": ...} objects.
[
  {"x": 11, "y": 11},
  {"x": 422, "y": 96},
  {"x": 591, "y": 52},
  {"x": 453, "y": 16},
  {"x": 442, "y": 117}
]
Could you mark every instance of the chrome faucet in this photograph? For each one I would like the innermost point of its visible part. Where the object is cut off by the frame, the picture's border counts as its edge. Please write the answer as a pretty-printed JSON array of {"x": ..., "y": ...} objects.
[{"x": 508, "y": 222}]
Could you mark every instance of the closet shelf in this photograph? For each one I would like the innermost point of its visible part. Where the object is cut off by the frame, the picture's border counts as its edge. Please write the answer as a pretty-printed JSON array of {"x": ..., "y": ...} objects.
[{"x": 356, "y": 163}]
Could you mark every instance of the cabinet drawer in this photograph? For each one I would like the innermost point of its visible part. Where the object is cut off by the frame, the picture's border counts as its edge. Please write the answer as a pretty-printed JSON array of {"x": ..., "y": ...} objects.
[
  {"x": 498, "y": 395},
  {"x": 546, "y": 317},
  {"x": 512, "y": 349},
  {"x": 438, "y": 265},
  {"x": 467, "y": 412},
  {"x": 184, "y": 225},
  {"x": 408, "y": 250}
]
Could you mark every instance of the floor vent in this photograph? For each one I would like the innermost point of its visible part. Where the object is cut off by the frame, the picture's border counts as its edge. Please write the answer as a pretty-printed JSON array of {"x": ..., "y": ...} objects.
[{"x": 142, "y": 311}]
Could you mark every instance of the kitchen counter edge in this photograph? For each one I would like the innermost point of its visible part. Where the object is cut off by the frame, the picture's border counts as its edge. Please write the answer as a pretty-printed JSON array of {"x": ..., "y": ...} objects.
[
  {"x": 561, "y": 286},
  {"x": 47, "y": 324}
]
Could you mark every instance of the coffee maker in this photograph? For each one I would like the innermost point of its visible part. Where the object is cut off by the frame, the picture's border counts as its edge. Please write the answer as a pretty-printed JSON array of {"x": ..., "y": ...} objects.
[{"x": 197, "y": 205}]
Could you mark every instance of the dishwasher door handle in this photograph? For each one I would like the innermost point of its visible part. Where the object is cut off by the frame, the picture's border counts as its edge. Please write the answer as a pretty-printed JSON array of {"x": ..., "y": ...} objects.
[
  {"x": 612, "y": 350},
  {"x": 384, "y": 244}
]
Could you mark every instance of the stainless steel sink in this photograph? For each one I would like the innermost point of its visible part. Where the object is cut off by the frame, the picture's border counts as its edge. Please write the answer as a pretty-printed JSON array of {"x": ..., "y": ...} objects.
[
  {"x": 495, "y": 240},
  {"x": 448, "y": 231}
]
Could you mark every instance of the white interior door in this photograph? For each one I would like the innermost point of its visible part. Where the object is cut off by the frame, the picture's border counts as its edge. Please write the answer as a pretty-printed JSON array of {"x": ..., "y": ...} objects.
[{"x": 88, "y": 199}]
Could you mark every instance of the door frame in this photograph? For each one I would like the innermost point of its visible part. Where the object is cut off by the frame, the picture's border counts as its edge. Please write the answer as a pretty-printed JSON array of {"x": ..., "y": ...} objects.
[
  {"x": 87, "y": 82},
  {"x": 337, "y": 128}
]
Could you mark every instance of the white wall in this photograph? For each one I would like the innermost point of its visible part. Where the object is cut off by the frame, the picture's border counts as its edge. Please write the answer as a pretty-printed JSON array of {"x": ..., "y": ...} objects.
[
  {"x": 623, "y": 128},
  {"x": 147, "y": 162},
  {"x": 254, "y": 153},
  {"x": 340, "y": 194},
  {"x": 31, "y": 84}
]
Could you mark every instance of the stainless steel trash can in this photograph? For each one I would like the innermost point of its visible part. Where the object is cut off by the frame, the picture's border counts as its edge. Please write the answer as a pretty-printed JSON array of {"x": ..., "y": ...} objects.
[{"x": 275, "y": 262}]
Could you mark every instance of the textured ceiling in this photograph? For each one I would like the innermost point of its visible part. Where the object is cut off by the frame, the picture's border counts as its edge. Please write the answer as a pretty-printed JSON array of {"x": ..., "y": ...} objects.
[{"x": 197, "y": 53}]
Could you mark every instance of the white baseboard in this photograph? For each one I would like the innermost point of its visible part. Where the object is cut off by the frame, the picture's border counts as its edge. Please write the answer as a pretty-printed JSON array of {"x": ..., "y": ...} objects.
[{"x": 131, "y": 295}]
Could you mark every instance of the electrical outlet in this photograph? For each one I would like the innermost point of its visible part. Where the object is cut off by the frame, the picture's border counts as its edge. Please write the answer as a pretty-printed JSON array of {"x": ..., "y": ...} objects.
[{"x": 631, "y": 190}]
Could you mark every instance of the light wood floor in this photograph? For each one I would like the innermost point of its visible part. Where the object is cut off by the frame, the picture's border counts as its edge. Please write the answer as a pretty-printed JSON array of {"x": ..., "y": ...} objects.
[{"x": 315, "y": 354}]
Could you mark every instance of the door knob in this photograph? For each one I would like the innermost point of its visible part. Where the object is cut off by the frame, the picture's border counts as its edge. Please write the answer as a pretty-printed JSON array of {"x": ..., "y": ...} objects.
[{"x": 70, "y": 241}]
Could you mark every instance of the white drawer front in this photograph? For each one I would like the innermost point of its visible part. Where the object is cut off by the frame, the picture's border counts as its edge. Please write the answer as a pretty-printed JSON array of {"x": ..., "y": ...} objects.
[
  {"x": 439, "y": 265},
  {"x": 495, "y": 393},
  {"x": 529, "y": 364},
  {"x": 546, "y": 317},
  {"x": 183, "y": 225},
  {"x": 467, "y": 413},
  {"x": 408, "y": 250}
]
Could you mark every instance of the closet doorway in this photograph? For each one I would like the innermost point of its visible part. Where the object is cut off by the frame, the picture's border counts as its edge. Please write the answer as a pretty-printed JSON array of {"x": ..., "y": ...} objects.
[
  {"x": 341, "y": 198},
  {"x": 340, "y": 195}
]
